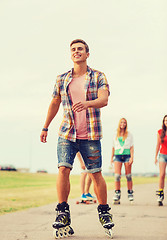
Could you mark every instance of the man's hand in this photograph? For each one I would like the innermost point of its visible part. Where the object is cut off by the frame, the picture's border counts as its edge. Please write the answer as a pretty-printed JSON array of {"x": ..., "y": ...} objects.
[
  {"x": 99, "y": 102},
  {"x": 43, "y": 136},
  {"x": 80, "y": 106}
]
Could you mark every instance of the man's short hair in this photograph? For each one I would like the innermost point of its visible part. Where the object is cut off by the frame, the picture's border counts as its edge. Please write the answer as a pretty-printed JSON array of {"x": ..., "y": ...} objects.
[{"x": 80, "y": 41}]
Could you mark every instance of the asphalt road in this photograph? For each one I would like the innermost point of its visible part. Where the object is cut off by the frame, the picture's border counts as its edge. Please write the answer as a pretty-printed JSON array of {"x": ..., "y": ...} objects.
[{"x": 143, "y": 219}]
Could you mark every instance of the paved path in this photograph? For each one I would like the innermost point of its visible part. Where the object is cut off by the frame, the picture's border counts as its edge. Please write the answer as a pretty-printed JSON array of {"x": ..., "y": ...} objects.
[{"x": 143, "y": 220}]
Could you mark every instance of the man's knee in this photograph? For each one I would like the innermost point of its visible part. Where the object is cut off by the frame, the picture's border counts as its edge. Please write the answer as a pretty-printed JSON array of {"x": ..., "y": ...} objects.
[
  {"x": 129, "y": 177},
  {"x": 64, "y": 170},
  {"x": 97, "y": 176},
  {"x": 117, "y": 177}
]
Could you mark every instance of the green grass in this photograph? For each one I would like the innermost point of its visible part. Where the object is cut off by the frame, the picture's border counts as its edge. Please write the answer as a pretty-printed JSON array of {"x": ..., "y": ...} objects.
[{"x": 19, "y": 191}]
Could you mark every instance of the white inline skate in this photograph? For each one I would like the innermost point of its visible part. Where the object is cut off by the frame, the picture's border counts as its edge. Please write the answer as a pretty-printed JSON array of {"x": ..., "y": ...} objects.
[
  {"x": 117, "y": 196},
  {"x": 106, "y": 219},
  {"x": 160, "y": 198},
  {"x": 130, "y": 196},
  {"x": 62, "y": 223}
]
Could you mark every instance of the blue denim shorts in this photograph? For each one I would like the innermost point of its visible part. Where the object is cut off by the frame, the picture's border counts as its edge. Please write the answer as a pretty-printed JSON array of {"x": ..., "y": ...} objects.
[
  {"x": 121, "y": 158},
  {"x": 89, "y": 149},
  {"x": 162, "y": 158}
]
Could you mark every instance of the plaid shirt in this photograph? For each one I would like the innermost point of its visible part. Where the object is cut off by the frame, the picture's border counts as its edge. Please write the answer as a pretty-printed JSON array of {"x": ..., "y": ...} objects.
[{"x": 94, "y": 80}]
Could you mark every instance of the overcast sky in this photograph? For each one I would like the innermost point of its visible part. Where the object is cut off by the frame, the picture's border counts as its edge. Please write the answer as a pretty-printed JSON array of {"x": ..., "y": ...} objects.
[{"x": 127, "y": 40}]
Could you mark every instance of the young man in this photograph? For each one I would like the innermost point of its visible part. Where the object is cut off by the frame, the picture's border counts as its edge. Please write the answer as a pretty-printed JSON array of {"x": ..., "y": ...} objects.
[{"x": 82, "y": 92}]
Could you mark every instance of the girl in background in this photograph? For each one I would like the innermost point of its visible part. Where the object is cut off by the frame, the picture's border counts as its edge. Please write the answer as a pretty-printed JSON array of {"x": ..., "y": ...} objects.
[
  {"x": 85, "y": 181},
  {"x": 161, "y": 148},
  {"x": 122, "y": 153}
]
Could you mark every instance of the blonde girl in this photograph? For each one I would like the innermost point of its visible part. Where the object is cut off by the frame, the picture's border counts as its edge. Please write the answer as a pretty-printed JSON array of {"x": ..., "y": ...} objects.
[{"x": 122, "y": 153}]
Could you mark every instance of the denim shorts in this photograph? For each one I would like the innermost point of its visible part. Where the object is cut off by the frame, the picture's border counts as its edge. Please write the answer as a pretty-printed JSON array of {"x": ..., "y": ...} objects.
[
  {"x": 89, "y": 149},
  {"x": 121, "y": 158},
  {"x": 162, "y": 158}
]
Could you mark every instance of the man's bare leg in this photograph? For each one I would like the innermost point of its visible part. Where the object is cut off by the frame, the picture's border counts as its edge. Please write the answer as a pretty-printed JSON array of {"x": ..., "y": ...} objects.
[
  {"x": 100, "y": 187},
  {"x": 63, "y": 184}
]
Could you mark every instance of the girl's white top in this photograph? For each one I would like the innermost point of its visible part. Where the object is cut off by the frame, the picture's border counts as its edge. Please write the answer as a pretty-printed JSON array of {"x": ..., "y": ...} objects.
[{"x": 127, "y": 144}]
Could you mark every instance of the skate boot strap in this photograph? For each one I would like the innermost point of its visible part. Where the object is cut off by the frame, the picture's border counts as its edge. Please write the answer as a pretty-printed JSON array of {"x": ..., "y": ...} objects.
[
  {"x": 62, "y": 207},
  {"x": 130, "y": 191},
  {"x": 103, "y": 208},
  {"x": 106, "y": 220},
  {"x": 62, "y": 219},
  {"x": 106, "y": 215},
  {"x": 104, "y": 212},
  {"x": 65, "y": 211},
  {"x": 62, "y": 215},
  {"x": 160, "y": 193}
]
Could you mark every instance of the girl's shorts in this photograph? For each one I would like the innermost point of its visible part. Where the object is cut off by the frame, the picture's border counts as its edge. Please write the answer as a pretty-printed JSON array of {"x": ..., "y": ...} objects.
[
  {"x": 121, "y": 158},
  {"x": 162, "y": 158}
]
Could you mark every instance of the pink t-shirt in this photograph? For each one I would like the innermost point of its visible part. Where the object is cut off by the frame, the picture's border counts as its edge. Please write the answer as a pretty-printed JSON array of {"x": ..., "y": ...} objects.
[
  {"x": 163, "y": 146},
  {"x": 77, "y": 92}
]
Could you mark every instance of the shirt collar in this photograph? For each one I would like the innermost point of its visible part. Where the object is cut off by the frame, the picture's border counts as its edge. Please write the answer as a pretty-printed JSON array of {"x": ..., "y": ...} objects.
[{"x": 88, "y": 71}]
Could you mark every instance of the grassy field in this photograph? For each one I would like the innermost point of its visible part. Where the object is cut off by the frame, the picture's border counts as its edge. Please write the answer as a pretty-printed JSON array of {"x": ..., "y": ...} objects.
[{"x": 20, "y": 191}]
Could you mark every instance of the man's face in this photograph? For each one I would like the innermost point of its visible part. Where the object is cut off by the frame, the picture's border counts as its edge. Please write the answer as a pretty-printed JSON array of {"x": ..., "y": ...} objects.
[{"x": 78, "y": 53}]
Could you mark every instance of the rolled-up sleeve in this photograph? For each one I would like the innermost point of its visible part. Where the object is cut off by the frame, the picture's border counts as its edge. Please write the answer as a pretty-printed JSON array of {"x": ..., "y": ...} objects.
[
  {"x": 102, "y": 83},
  {"x": 56, "y": 89}
]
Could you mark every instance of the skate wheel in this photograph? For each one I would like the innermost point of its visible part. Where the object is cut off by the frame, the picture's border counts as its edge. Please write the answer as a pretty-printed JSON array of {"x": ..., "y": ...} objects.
[
  {"x": 58, "y": 233},
  {"x": 87, "y": 202},
  {"x": 77, "y": 202},
  {"x": 66, "y": 230},
  {"x": 94, "y": 201},
  {"x": 71, "y": 231},
  {"x": 109, "y": 233},
  {"x": 61, "y": 233}
]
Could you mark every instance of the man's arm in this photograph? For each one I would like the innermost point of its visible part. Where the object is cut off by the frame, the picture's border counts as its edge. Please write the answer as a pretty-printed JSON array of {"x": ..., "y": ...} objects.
[
  {"x": 99, "y": 102},
  {"x": 52, "y": 111}
]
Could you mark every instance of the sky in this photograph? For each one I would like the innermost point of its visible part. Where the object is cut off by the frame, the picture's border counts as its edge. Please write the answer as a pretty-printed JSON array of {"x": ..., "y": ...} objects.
[{"x": 127, "y": 41}]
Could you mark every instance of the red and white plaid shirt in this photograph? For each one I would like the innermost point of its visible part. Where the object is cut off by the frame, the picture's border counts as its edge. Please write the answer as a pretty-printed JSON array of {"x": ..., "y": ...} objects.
[{"x": 94, "y": 81}]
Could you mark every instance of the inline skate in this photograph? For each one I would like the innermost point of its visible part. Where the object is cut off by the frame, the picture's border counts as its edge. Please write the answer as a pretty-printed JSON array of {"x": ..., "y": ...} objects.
[
  {"x": 117, "y": 196},
  {"x": 106, "y": 219},
  {"x": 160, "y": 198},
  {"x": 62, "y": 223},
  {"x": 130, "y": 196}
]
